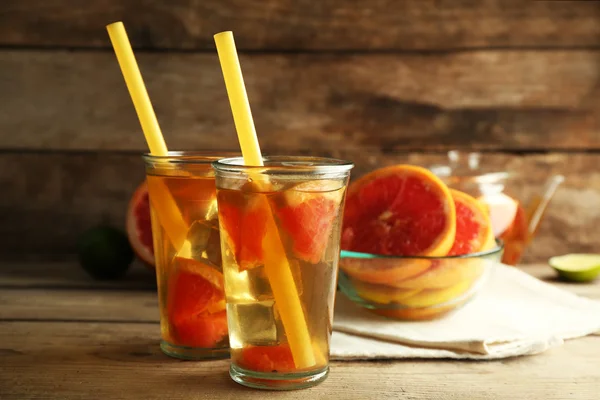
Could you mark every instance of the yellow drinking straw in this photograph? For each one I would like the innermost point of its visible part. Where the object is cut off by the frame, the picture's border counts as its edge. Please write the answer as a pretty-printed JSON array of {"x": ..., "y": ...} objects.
[
  {"x": 164, "y": 203},
  {"x": 277, "y": 267}
]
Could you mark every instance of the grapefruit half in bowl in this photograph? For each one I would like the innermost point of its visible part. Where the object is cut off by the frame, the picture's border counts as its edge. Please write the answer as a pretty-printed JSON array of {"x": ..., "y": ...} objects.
[{"x": 399, "y": 210}]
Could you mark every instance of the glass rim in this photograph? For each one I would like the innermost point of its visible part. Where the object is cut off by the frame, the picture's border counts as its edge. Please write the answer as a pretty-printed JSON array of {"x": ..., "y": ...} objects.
[
  {"x": 189, "y": 157},
  {"x": 444, "y": 172},
  {"x": 355, "y": 254},
  {"x": 286, "y": 165}
]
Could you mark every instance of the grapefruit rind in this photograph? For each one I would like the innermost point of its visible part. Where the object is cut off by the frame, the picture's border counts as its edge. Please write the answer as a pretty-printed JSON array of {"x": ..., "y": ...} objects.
[
  {"x": 470, "y": 214},
  {"x": 383, "y": 270},
  {"x": 199, "y": 268},
  {"x": 443, "y": 274},
  {"x": 143, "y": 251}
]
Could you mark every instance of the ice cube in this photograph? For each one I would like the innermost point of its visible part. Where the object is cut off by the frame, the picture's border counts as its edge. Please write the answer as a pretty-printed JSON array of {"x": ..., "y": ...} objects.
[
  {"x": 205, "y": 242},
  {"x": 258, "y": 284},
  {"x": 212, "y": 211},
  {"x": 213, "y": 247},
  {"x": 252, "y": 323},
  {"x": 198, "y": 235}
]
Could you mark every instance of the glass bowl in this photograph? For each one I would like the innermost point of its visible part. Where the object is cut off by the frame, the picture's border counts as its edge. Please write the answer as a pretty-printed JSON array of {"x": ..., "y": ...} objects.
[
  {"x": 414, "y": 288},
  {"x": 516, "y": 202}
]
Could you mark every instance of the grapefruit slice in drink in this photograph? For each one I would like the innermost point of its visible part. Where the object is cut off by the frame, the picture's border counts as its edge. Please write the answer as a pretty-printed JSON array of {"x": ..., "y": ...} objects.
[
  {"x": 204, "y": 330},
  {"x": 473, "y": 228},
  {"x": 196, "y": 303},
  {"x": 243, "y": 216},
  {"x": 276, "y": 358},
  {"x": 306, "y": 216},
  {"x": 399, "y": 210},
  {"x": 139, "y": 227}
]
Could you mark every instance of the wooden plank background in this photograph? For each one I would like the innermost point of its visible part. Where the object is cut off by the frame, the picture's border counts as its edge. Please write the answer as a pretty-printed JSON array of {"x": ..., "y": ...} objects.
[{"x": 377, "y": 82}]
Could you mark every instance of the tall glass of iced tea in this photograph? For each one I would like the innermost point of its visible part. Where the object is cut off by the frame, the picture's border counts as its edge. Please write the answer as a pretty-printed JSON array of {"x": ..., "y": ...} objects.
[
  {"x": 185, "y": 229},
  {"x": 280, "y": 238}
]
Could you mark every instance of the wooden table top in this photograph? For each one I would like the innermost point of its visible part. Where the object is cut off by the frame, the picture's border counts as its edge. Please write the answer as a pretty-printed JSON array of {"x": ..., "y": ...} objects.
[{"x": 64, "y": 336}]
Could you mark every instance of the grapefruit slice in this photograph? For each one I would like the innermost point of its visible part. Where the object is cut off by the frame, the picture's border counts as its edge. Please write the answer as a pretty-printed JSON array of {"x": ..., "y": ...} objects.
[
  {"x": 139, "y": 227},
  {"x": 383, "y": 270},
  {"x": 205, "y": 330},
  {"x": 413, "y": 298},
  {"x": 399, "y": 210},
  {"x": 307, "y": 215},
  {"x": 207, "y": 272},
  {"x": 243, "y": 217},
  {"x": 443, "y": 274},
  {"x": 502, "y": 211},
  {"x": 196, "y": 303},
  {"x": 267, "y": 358},
  {"x": 473, "y": 229},
  {"x": 434, "y": 297},
  {"x": 382, "y": 294}
]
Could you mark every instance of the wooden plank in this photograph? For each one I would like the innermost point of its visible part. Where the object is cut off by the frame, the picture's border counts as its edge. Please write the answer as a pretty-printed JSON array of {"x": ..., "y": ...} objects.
[
  {"x": 80, "y": 305},
  {"x": 50, "y": 199},
  {"x": 300, "y": 25},
  {"x": 487, "y": 99},
  {"x": 55, "y": 196},
  {"x": 68, "y": 275},
  {"x": 72, "y": 360},
  {"x": 95, "y": 303}
]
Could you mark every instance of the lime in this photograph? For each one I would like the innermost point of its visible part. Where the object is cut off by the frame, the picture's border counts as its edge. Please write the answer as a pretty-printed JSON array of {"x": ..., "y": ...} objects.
[
  {"x": 577, "y": 267},
  {"x": 104, "y": 252}
]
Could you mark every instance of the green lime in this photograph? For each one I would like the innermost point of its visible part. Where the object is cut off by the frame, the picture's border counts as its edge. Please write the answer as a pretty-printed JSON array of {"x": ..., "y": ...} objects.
[
  {"x": 577, "y": 267},
  {"x": 104, "y": 252}
]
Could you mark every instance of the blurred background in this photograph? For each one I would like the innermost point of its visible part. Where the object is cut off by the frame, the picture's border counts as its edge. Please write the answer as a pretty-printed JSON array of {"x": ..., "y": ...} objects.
[{"x": 377, "y": 82}]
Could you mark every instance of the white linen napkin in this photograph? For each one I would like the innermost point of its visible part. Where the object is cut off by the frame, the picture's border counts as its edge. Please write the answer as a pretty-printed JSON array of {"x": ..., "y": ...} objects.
[{"x": 514, "y": 314}]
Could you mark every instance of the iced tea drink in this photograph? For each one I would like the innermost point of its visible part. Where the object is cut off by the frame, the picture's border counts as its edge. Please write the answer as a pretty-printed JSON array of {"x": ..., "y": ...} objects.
[
  {"x": 280, "y": 237},
  {"x": 185, "y": 229}
]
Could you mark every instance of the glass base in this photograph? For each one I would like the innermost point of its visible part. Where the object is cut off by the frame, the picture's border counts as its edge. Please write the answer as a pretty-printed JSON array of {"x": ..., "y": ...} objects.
[
  {"x": 277, "y": 381},
  {"x": 193, "y": 353}
]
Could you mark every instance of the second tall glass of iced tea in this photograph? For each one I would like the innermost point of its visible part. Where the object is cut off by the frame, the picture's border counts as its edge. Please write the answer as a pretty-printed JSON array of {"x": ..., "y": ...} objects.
[
  {"x": 280, "y": 237},
  {"x": 187, "y": 249}
]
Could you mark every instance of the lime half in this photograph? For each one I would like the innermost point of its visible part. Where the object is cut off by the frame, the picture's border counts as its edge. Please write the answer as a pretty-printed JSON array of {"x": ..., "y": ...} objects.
[
  {"x": 577, "y": 267},
  {"x": 104, "y": 252}
]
